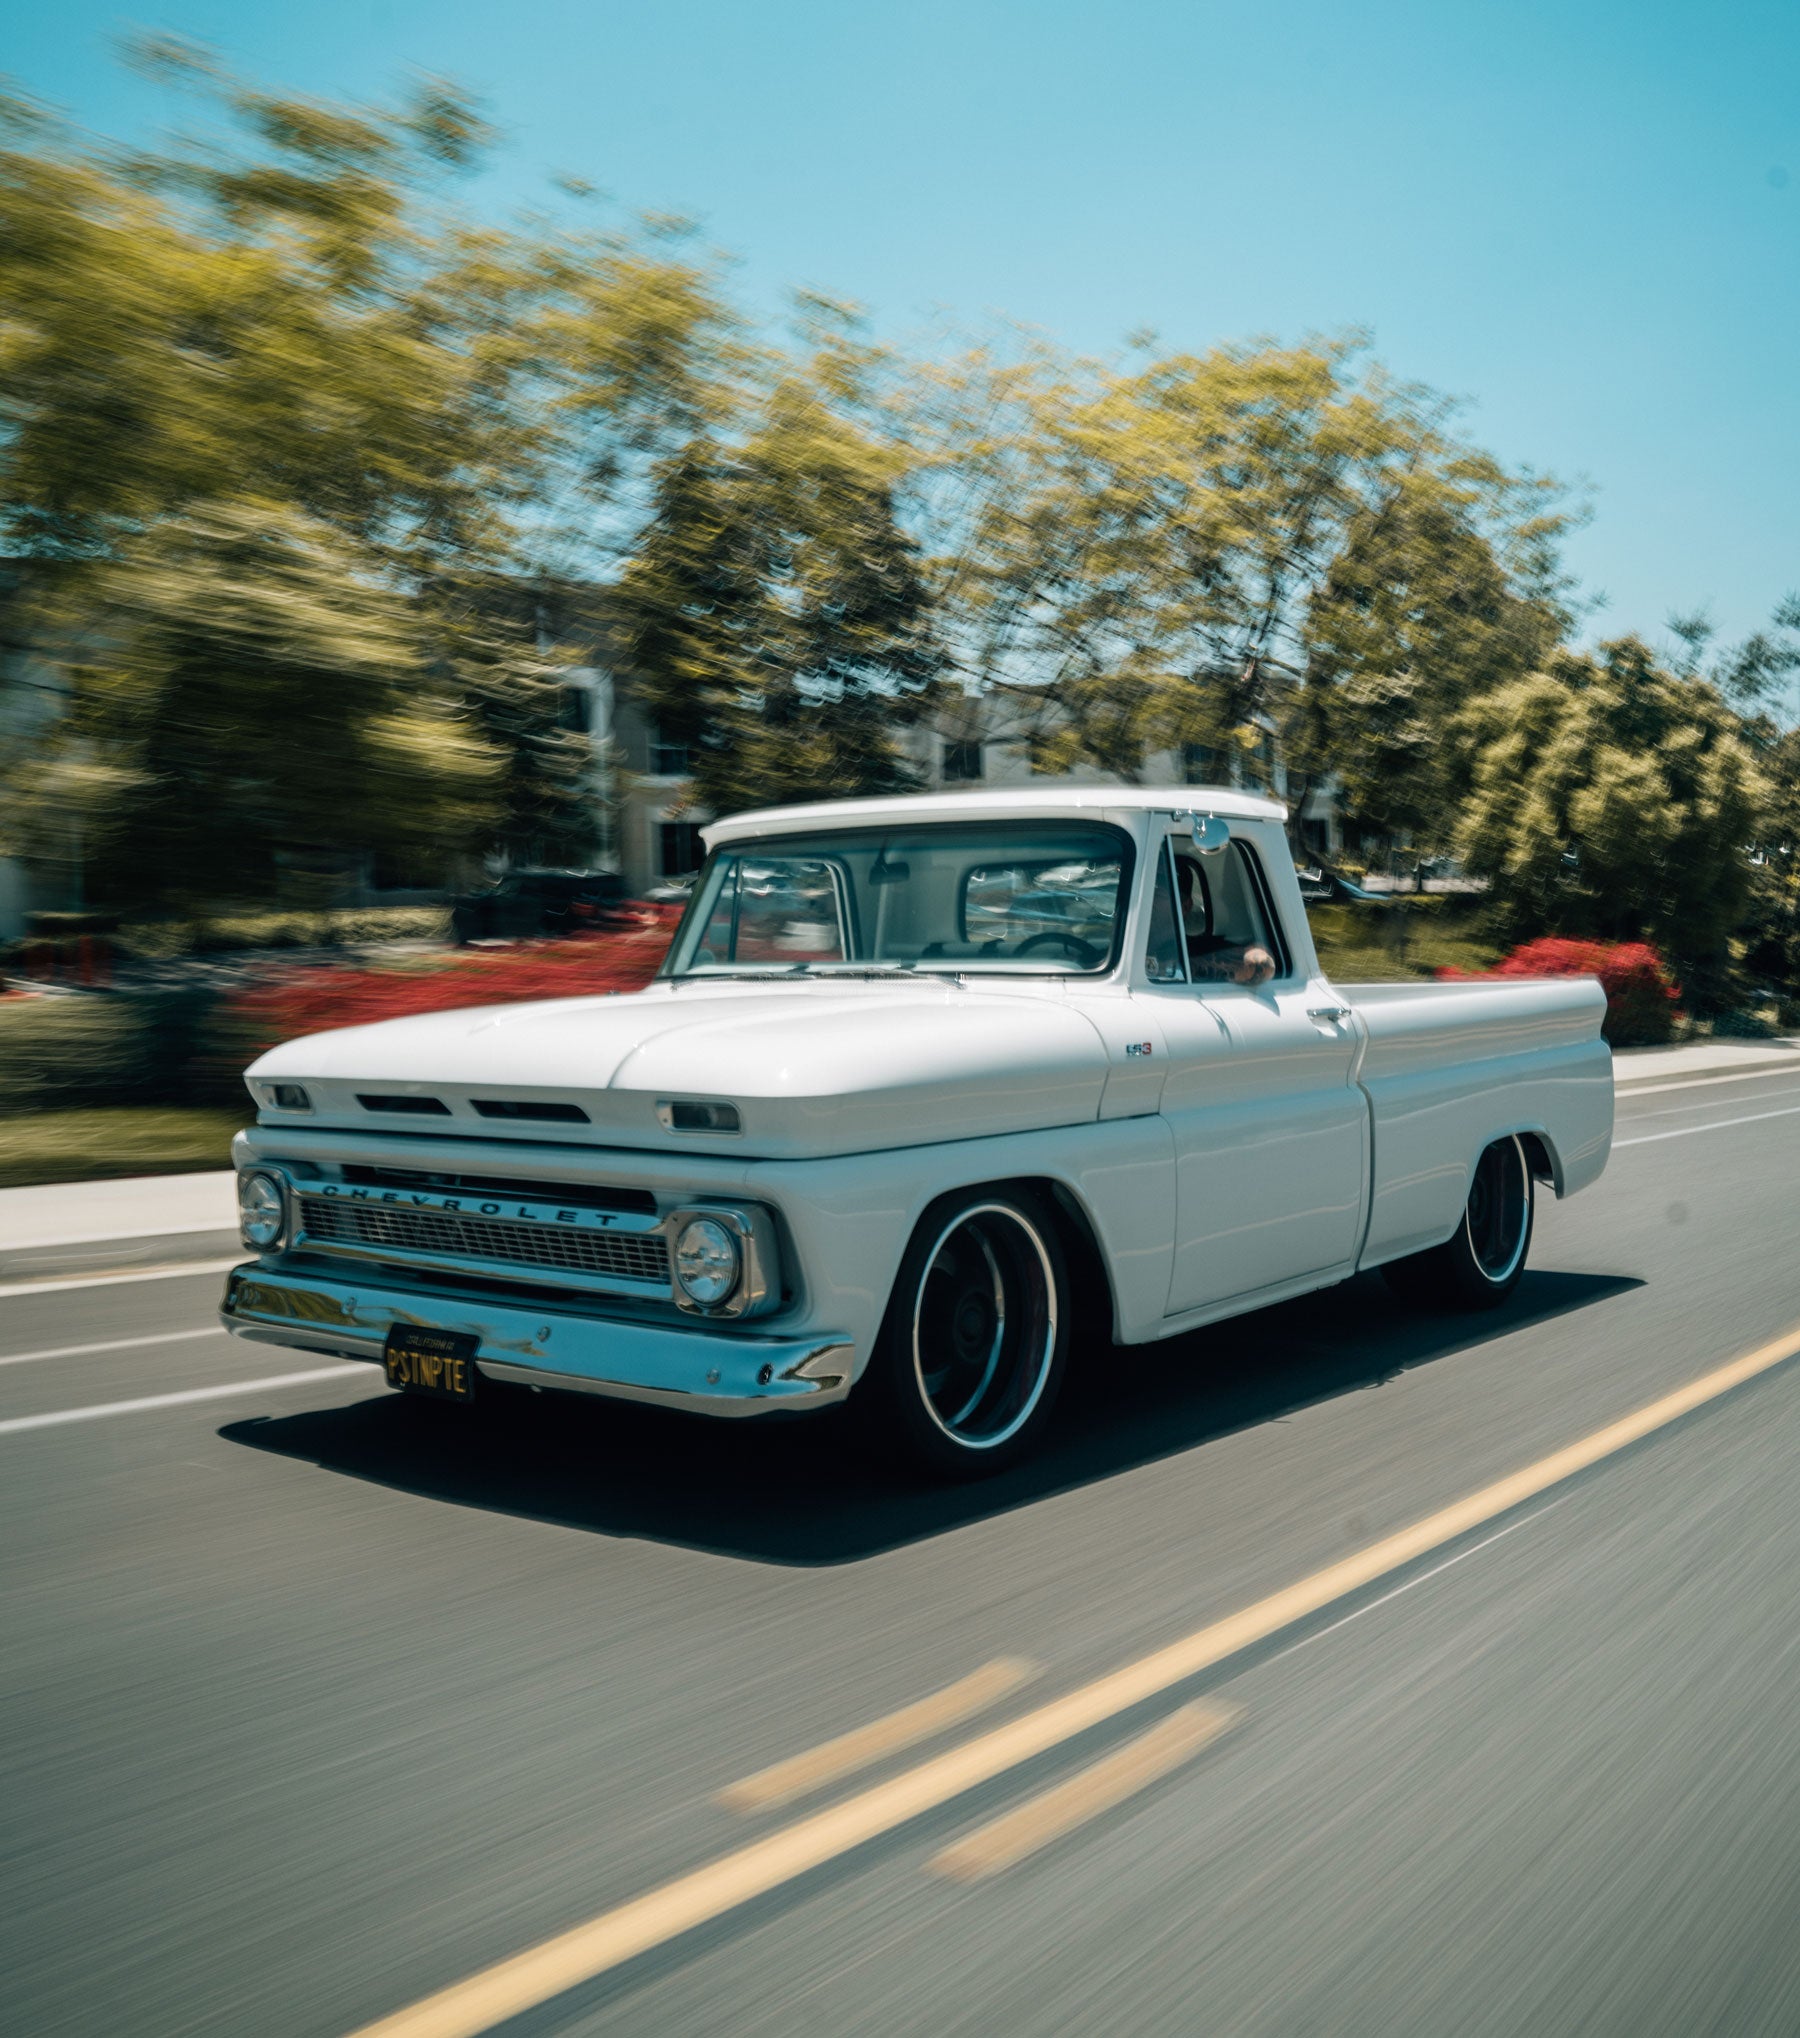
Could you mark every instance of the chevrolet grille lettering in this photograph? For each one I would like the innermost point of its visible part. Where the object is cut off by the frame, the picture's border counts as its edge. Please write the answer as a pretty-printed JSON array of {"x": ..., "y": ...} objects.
[{"x": 508, "y": 1212}]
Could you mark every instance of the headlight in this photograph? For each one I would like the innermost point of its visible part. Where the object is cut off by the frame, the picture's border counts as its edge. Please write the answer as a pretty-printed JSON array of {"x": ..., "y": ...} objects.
[
  {"x": 707, "y": 1261},
  {"x": 262, "y": 1211}
]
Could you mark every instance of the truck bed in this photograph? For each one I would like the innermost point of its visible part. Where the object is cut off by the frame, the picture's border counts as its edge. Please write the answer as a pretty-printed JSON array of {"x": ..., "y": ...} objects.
[{"x": 1437, "y": 1058}]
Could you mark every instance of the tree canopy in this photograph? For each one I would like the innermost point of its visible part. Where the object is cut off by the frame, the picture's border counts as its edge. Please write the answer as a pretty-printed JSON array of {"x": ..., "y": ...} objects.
[
  {"x": 1613, "y": 797},
  {"x": 313, "y": 482},
  {"x": 286, "y": 443}
]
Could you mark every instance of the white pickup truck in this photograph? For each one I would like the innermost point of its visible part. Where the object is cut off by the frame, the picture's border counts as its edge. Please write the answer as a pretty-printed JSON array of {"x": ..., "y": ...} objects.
[{"x": 922, "y": 1082}]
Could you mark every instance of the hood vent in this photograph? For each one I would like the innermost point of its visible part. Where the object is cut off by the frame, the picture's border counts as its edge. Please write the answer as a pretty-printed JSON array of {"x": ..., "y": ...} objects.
[
  {"x": 547, "y": 1114},
  {"x": 411, "y": 1107}
]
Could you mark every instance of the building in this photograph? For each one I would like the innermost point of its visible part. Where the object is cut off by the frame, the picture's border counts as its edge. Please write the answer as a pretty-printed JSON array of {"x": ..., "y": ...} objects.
[{"x": 653, "y": 833}]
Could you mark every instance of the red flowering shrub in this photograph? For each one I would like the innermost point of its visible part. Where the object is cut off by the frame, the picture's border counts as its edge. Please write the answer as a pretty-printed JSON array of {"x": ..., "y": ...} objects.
[
  {"x": 1641, "y": 995},
  {"x": 313, "y": 1000}
]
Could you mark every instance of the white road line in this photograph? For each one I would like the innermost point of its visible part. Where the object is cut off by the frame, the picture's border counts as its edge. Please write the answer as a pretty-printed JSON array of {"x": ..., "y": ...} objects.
[
  {"x": 1512, "y": 1528},
  {"x": 117, "y": 1344},
  {"x": 1626, "y": 1091},
  {"x": 120, "y": 1279},
  {"x": 149, "y": 1401},
  {"x": 1718, "y": 1125},
  {"x": 1702, "y": 1104}
]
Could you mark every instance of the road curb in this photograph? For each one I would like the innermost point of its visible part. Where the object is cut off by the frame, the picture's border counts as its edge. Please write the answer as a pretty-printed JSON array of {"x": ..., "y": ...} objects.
[
  {"x": 45, "y": 1258},
  {"x": 1710, "y": 1073}
]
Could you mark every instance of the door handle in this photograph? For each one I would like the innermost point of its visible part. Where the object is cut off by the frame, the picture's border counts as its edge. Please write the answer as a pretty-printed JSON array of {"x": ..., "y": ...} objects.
[{"x": 1336, "y": 1014}]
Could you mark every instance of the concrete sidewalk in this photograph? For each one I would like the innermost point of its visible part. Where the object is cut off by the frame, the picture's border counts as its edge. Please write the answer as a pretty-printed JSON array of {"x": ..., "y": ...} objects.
[
  {"x": 142, "y": 1220},
  {"x": 1635, "y": 1067},
  {"x": 89, "y": 1227}
]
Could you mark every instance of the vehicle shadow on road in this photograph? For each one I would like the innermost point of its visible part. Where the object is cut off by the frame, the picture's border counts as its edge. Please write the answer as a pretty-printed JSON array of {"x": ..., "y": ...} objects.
[{"x": 800, "y": 1492}]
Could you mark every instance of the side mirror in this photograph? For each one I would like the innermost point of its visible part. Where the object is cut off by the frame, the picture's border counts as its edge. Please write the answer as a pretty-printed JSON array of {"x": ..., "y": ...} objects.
[{"x": 1212, "y": 837}]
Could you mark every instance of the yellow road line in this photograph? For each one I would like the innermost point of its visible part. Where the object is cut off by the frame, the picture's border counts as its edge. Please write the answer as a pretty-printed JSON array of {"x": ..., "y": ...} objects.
[
  {"x": 513, "y": 1986},
  {"x": 864, "y": 1745},
  {"x": 1108, "y": 1782}
]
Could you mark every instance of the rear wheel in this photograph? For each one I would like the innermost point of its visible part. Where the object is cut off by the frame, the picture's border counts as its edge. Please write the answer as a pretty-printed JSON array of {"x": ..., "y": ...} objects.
[
  {"x": 973, "y": 1349},
  {"x": 1479, "y": 1265}
]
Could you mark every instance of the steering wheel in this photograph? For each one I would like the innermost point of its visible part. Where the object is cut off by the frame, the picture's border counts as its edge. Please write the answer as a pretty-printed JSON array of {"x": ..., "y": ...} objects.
[{"x": 1083, "y": 952}]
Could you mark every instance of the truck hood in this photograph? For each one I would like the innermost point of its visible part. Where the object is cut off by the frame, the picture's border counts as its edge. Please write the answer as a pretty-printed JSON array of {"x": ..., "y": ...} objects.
[{"x": 815, "y": 1068}]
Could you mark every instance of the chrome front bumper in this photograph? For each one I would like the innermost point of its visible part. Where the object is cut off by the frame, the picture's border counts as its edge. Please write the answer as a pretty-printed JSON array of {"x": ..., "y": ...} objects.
[{"x": 678, "y": 1365}]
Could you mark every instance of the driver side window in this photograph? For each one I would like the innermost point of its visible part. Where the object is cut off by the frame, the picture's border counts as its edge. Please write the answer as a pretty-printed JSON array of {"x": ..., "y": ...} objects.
[
  {"x": 1225, "y": 927},
  {"x": 1165, "y": 959}
]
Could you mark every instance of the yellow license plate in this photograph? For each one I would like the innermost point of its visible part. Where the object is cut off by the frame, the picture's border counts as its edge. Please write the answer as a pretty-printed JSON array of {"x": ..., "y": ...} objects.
[{"x": 426, "y": 1361}]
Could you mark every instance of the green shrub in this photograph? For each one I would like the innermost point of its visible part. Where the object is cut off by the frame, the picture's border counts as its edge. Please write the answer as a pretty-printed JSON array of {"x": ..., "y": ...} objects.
[
  {"x": 98, "y": 1049},
  {"x": 1743, "y": 1024},
  {"x": 238, "y": 933},
  {"x": 368, "y": 925}
]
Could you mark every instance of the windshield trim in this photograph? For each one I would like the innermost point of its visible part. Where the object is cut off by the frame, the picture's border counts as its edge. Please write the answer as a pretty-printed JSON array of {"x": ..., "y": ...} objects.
[{"x": 772, "y": 844}]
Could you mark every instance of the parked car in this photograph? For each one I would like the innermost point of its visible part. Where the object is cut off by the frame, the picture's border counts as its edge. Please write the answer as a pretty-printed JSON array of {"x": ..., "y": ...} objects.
[
  {"x": 528, "y": 904},
  {"x": 900, "y": 1174},
  {"x": 1322, "y": 886}
]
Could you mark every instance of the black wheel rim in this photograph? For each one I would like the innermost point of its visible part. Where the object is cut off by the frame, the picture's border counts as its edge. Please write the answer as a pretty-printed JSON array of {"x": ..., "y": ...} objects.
[
  {"x": 1499, "y": 1211},
  {"x": 984, "y": 1326}
]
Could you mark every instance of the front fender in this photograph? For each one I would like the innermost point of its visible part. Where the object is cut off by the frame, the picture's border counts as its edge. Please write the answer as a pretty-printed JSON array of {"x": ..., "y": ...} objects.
[{"x": 850, "y": 1219}]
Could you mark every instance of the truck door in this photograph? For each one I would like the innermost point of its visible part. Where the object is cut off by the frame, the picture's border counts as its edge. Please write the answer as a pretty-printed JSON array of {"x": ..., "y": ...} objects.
[{"x": 1271, "y": 1139}]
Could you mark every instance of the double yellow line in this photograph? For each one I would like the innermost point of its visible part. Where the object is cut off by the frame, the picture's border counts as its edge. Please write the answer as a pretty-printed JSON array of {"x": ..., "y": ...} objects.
[{"x": 616, "y": 1936}]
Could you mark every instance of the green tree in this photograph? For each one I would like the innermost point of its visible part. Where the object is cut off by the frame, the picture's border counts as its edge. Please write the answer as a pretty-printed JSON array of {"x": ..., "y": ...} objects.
[
  {"x": 1610, "y": 797},
  {"x": 775, "y": 616},
  {"x": 1157, "y": 556},
  {"x": 294, "y": 324},
  {"x": 247, "y": 688},
  {"x": 1752, "y": 675},
  {"x": 1442, "y": 591},
  {"x": 1771, "y": 931}
]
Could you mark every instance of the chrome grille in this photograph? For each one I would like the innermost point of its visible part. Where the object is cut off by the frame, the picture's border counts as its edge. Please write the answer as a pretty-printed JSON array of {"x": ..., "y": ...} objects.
[{"x": 443, "y": 1234}]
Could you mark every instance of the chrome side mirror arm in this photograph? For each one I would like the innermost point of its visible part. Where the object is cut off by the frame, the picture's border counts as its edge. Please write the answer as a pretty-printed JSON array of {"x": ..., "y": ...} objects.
[{"x": 1212, "y": 836}]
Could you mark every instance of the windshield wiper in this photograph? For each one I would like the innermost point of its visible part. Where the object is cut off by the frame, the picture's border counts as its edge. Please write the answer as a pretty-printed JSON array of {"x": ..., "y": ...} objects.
[
  {"x": 800, "y": 969},
  {"x": 873, "y": 969}
]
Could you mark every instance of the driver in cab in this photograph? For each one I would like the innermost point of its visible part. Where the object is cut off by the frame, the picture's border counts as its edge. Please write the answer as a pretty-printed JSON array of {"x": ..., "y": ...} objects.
[{"x": 1213, "y": 957}]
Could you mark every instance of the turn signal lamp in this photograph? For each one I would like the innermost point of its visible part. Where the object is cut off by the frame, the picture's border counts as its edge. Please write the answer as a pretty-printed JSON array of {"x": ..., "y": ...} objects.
[{"x": 690, "y": 1116}]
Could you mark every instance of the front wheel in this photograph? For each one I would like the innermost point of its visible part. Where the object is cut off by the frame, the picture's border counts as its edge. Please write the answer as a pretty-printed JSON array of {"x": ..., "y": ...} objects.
[
  {"x": 1479, "y": 1265},
  {"x": 973, "y": 1348}
]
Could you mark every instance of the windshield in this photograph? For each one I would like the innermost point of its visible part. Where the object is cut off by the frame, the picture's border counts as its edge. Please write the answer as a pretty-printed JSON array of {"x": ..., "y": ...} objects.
[{"x": 1032, "y": 897}]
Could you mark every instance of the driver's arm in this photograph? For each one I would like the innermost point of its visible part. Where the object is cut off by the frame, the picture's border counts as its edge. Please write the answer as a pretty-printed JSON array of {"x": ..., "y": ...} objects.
[{"x": 1231, "y": 963}]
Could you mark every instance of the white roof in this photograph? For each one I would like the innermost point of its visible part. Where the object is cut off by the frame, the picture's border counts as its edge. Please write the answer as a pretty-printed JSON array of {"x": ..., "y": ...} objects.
[{"x": 1050, "y": 801}]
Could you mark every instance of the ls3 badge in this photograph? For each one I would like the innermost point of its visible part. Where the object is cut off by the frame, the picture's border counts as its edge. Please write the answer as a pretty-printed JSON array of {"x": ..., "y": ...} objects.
[{"x": 1137, "y": 1047}]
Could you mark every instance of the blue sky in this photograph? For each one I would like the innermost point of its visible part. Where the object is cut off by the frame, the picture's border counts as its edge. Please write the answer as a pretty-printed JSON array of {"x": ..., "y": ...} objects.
[{"x": 1584, "y": 218}]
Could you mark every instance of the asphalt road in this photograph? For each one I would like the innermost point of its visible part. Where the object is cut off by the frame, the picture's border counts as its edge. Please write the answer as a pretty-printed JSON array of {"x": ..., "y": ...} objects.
[{"x": 314, "y": 1701}]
